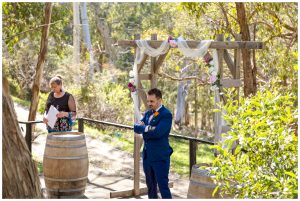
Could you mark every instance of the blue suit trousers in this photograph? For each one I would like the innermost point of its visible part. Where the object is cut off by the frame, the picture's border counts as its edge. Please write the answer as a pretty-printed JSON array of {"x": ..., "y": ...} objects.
[{"x": 156, "y": 172}]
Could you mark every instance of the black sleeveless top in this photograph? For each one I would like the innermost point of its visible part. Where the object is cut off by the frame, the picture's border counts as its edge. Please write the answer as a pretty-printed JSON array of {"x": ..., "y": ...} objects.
[{"x": 61, "y": 104}]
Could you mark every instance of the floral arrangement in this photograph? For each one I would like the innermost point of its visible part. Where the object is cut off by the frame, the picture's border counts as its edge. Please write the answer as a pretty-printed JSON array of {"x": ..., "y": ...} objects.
[
  {"x": 172, "y": 41},
  {"x": 131, "y": 86},
  {"x": 214, "y": 78}
]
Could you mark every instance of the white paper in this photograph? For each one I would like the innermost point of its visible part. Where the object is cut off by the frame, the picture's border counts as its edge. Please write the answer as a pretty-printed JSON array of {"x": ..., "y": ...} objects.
[{"x": 51, "y": 116}]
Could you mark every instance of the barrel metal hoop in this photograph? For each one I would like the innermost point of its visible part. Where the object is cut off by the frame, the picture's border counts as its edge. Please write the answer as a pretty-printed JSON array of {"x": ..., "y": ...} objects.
[
  {"x": 66, "y": 146},
  {"x": 207, "y": 185},
  {"x": 65, "y": 180},
  {"x": 59, "y": 138},
  {"x": 201, "y": 172},
  {"x": 66, "y": 190},
  {"x": 67, "y": 157}
]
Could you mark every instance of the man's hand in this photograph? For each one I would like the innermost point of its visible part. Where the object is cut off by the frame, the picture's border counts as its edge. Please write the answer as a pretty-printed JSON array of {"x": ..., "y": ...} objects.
[
  {"x": 151, "y": 128},
  {"x": 141, "y": 123}
]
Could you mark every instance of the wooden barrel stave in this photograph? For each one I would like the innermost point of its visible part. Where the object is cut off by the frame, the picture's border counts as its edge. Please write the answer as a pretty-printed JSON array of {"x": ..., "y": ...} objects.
[{"x": 201, "y": 184}]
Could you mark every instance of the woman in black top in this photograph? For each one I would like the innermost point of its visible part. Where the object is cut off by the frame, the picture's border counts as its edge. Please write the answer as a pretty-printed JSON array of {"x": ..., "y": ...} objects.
[{"x": 64, "y": 102}]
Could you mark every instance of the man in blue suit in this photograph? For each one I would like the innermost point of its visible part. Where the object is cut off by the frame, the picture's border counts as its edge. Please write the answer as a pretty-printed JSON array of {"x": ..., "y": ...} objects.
[{"x": 155, "y": 127}]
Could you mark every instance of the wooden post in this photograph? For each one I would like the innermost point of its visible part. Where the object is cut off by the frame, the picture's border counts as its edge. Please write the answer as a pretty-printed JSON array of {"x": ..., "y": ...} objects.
[
  {"x": 218, "y": 115},
  {"x": 138, "y": 141},
  {"x": 220, "y": 37},
  {"x": 196, "y": 108},
  {"x": 28, "y": 136},
  {"x": 237, "y": 64},
  {"x": 80, "y": 125},
  {"x": 193, "y": 155},
  {"x": 152, "y": 71}
]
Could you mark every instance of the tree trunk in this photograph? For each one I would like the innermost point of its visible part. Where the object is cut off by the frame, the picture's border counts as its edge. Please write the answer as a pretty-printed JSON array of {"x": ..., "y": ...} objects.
[
  {"x": 19, "y": 173},
  {"x": 76, "y": 41},
  {"x": 249, "y": 73},
  {"x": 108, "y": 42},
  {"x": 40, "y": 64},
  {"x": 87, "y": 39}
]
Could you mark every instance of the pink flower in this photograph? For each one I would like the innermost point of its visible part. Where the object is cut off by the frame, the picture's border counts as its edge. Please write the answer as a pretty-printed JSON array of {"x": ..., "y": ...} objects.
[
  {"x": 170, "y": 38},
  {"x": 212, "y": 78},
  {"x": 131, "y": 87},
  {"x": 207, "y": 58},
  {"x": 173, "y": 43}
]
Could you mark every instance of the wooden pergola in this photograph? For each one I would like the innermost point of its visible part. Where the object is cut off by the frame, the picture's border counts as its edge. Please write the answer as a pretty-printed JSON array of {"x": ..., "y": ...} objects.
[{"x": 234, "y": 66}]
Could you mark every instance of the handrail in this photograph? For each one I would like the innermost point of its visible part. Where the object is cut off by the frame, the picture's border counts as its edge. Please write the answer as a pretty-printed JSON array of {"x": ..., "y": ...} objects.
[
  {"x": 131, "y": 127},
  {"x": 192, "y": 141}
]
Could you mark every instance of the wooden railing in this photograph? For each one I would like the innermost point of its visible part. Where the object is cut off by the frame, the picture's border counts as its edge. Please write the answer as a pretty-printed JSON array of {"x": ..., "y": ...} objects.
[{"x": 192, "y": 141}]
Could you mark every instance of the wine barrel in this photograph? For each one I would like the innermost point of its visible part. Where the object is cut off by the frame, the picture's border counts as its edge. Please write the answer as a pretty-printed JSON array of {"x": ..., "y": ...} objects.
[
  {"x": 65, "y": 164},
  {"x": 201, "y": 184}
]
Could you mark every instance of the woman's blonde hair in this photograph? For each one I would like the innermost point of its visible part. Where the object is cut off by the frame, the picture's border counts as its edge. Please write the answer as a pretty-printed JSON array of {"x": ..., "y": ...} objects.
[{"x": 57, "y": 80}]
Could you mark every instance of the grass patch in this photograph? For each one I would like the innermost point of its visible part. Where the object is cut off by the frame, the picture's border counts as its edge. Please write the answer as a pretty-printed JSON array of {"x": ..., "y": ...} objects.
[
  {"x": 22, "y": 102},
  {"x": 38, "y": 163},
  {"x": 124, "y": 139}
]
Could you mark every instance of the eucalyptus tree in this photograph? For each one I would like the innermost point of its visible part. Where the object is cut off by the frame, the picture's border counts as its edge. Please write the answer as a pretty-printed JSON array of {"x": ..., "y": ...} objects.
[
  {"x": 87, "y": 38},
  {"x": 19, "y": 174},
  {"x": 22, "y": 23},
  {"x": 273, "y": 23}
]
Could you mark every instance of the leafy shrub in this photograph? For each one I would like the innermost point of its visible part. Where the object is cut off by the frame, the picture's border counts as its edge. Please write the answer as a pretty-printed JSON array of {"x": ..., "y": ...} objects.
[
  {"x": 264, "y": 164},
  {"x": 42, "y": 102},
  {"x": 105, "y": 100}
]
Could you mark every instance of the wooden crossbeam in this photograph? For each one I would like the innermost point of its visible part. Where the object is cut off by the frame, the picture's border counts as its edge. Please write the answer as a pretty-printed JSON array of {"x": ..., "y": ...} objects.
[{"x": 193, "y": 44}]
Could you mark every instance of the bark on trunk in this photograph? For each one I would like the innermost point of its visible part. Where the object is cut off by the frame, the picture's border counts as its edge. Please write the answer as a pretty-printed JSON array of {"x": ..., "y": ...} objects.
[
  {"x": 19, "y": 174},
  {"x": 108, "y": 42},
  {"x": 87, "y": 39},
  {"x": 249, "y": 73},
  {"x": 76, "y": 41},
  {"x": 40, "y": 64}
]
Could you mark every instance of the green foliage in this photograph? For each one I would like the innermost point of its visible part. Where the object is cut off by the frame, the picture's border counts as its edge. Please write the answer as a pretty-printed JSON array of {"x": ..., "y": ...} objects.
[
  {"x": 38, "y": 164},
  {"x": 21, "y": 101},
  {"x": 264, "y": 164},
  {"x": 22, "y": 20},
  {"x": 107, "y": 99},
  {"x": 42, "y": 102}
]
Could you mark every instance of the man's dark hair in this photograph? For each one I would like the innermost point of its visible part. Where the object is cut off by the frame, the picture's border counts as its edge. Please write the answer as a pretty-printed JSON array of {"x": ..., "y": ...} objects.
[{"x": 155, "y": 92}]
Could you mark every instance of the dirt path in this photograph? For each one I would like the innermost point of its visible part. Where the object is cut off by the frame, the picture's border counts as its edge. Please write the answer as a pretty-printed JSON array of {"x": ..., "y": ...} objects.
[{"x": 110, "y": 169}]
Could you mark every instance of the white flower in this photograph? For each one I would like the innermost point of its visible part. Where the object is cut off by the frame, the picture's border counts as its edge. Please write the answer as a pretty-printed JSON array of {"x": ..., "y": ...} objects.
[
  {"x": 211, "y": 62},
  {"x": 211, "y": 69},
  {"x": 131, "y": 80},
  {"x": 131, "y": 74}
]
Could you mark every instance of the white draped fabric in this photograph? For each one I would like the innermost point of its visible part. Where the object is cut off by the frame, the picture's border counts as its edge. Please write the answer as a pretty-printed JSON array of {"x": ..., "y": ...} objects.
[
  {"x": 147, "y": 49},
  {"x": 199, "y": 51},
  {"x": 144, "y": 48},
  {"x": 134, "y": 95}
]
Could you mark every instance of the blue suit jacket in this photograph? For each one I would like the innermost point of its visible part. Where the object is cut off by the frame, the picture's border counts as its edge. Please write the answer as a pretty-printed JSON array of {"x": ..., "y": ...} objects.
[{"x": 156, "y": 142}]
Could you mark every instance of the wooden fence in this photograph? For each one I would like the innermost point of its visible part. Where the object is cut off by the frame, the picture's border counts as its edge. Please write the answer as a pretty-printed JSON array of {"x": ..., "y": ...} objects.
[{"x": 192, "y": 141}]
